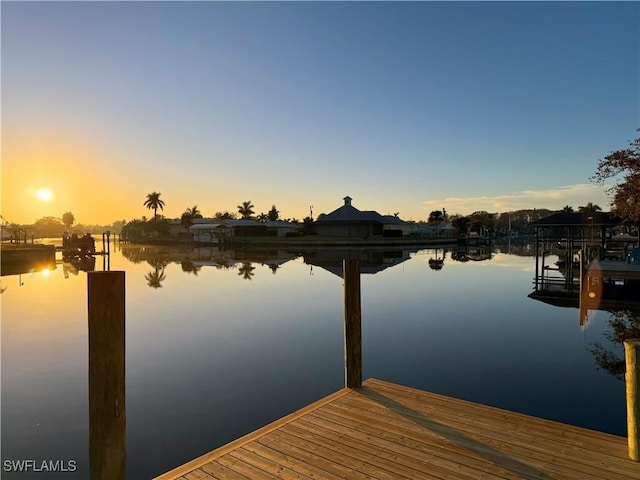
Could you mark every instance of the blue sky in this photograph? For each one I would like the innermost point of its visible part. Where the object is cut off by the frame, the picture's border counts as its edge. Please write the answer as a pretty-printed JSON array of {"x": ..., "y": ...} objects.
[{"x": 406, "y": 107}]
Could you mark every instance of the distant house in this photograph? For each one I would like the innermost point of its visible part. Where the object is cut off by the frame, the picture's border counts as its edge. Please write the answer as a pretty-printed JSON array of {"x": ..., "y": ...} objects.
[
  {"x": 444, "y": 229},
  {"x": 177, "y": 230},
  {"x": 209, "y": 230},
  {"x": 348, "y": 221},
  {"x": 255, "y": 228}
]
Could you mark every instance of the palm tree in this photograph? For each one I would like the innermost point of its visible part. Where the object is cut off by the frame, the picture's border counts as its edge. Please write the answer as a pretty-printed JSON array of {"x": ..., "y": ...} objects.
[
  {"x": 194, "y": 212},
  {"x": 436, "y": 217},
  {"x": 589, "y": 208},
  {"x": 567, "y": 209},
  {"x": 246, "y": 209},
  {"x": 186, "y": 220},
  {"x": 154, "y": 203}
]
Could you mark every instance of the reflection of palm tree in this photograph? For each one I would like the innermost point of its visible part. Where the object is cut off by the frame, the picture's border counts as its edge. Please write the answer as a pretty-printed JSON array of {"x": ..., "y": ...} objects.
[
  {"x": 437, "y": 263},
  {"x": 155, "y": 278},
  {"x": 154, "y": 203},
  {"x": 625, "y": 325},
  {"x": 158, "y": 262},
  {"x": 246, "y": 270}
]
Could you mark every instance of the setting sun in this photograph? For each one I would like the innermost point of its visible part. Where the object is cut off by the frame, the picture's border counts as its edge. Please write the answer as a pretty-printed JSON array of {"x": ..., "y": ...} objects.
[{"x": 44, "y": 194}]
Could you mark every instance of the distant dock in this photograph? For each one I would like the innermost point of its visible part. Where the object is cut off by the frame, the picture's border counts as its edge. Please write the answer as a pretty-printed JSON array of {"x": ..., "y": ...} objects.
[
  {"x": 23, "y": 258},
  {"x": 387, "y": 431}
]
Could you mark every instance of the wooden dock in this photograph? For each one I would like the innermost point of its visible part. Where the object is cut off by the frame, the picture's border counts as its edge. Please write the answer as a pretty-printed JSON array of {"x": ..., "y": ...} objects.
[
  {"x": 613, "y": 269},
  {"x": 387, "y": 431}
]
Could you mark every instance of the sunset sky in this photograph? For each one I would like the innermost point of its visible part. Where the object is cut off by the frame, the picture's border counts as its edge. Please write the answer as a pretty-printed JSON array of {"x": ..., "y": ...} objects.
[{"x": 406, "y": 107}]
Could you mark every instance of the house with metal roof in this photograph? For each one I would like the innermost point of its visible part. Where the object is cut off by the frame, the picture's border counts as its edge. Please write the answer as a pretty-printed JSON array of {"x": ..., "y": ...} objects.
[{"x": 348, "y": 221}]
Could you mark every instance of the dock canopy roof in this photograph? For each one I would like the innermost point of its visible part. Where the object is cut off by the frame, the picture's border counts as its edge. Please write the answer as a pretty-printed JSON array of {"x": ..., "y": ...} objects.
[{"x": 566, "y": 219}]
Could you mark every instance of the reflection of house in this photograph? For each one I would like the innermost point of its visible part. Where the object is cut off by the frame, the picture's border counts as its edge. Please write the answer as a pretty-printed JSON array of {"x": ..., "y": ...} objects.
[
  {"x": 208, "y": 230},
  {"x": 348, "y": 221},
  {"x": 371, "y": 261}
]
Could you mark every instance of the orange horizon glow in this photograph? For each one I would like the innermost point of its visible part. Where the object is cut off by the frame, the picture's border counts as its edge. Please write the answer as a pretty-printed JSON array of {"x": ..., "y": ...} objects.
[{"x": 49, "y": 175}]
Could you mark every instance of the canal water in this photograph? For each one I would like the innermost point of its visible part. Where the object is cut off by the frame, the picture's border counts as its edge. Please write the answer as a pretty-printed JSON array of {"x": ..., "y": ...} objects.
[{"x": 220, "y": 343}]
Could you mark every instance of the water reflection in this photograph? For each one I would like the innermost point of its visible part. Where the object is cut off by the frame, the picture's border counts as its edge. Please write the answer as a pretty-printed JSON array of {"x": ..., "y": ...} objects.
[
  {"x": 623, "y": 325},
  {"x": 282, "y": 342},
  {"x": 371, "y": 261},
  {"x": 437, "y": 262},
  {"x": 472, "y": 254},
  {"x": 193, "y": 260},
  {"x": 154, "y": 279},
  {"x": 189, "y": 267},
  {"x": 246, "y": 270}
]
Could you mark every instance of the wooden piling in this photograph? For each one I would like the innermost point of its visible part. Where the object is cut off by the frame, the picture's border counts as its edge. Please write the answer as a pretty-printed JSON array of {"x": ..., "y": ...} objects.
[
  {"x": 632, "y": 382},
  {"x": 107, "y": 418},
  {"x": 352, "y": 324}
]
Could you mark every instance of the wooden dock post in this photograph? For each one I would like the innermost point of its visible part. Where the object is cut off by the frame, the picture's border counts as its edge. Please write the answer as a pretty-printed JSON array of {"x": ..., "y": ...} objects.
[
  {"x": 632, "y": 381},
  {"x": 107, "y": 419},
  {"x": 352, "y": 324}
]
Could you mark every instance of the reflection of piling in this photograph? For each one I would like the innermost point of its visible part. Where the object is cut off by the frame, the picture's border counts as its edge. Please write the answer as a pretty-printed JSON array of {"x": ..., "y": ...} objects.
[
  {"x": 107, "y": 419},
  {"x": 582, "y": 299},
  {"x": 632, "y": 381},
  {"x": 352, "y": 325}
]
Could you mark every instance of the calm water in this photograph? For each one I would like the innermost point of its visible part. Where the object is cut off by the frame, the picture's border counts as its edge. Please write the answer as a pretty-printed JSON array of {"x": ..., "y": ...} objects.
[{"x": 217, "y": 346}]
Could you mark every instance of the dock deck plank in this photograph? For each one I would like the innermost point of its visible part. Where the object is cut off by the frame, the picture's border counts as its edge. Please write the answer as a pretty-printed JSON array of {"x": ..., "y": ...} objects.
[{"x": 386, "y": 431}]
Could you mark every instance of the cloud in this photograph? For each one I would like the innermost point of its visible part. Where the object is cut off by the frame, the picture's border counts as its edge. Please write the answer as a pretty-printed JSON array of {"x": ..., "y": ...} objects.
[{"x": 553, "y": 199}]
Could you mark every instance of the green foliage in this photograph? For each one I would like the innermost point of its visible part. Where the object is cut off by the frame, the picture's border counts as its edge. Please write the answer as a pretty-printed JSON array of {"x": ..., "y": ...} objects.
[
  {"x": 274, "y": 214},
  {"x": 48, "y": 227},
  {"x": 116, "y": 227},
  {"x": 624, "y": 325},
  {"x": 68, "y": 219},
  {"x": 626, "y": 193},
  {"x": 436, "y": 217},
  {"x": 461, "y": 224},
  {"x": 142, "y": 228},
  {"x": 484, "y": 219},
  {"x": 186, "y": 220},
  {"x": 225, "y": 215}
]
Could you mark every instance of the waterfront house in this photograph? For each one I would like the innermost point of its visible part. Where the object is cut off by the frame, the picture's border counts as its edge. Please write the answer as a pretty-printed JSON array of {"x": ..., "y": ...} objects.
[
  {"x": 444, "y": 229},
  {"x": 348, "y": 221},
  {"x": 210, "y": 230}
]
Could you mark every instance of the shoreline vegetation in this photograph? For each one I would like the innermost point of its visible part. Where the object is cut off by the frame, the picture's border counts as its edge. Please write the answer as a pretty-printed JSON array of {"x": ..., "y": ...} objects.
[{"x": 308, "y": 241}]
